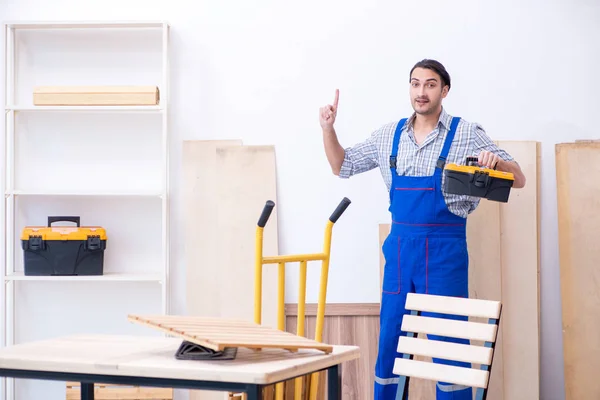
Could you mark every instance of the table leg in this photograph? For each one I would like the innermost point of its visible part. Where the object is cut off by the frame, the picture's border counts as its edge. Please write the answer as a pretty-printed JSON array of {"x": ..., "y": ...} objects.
[
  {"x": 254, "y": 392},
  {"x": 334, "y": 382},
  {"x": 87, "y": 391}
]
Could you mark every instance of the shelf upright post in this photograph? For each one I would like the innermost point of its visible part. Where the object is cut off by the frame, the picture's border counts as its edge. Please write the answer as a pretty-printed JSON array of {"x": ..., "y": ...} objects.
[
  {"x": 8, "y": 212},
  {"x": 164, "y": 102}
]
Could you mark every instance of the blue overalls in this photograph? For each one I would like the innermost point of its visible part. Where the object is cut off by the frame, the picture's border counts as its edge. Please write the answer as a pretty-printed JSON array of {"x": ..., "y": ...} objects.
[{"x": 425, "y": 252}]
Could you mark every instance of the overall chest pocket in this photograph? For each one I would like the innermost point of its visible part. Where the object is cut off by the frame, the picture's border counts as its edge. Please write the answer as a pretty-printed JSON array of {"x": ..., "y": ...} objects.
[{"x": 414, "y": 204}]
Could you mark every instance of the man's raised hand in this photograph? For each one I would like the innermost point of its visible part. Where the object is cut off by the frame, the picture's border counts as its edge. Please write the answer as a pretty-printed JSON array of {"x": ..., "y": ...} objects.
[{"x": 328, "y": 113}]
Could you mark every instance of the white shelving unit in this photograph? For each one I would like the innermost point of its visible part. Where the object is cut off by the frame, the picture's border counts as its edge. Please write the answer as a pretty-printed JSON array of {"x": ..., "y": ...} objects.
[{"x": 34, "y": 181}]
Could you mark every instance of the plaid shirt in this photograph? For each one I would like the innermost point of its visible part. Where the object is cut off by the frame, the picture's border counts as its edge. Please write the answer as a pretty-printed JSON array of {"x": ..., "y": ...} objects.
[{"x": 414, "y": 160}]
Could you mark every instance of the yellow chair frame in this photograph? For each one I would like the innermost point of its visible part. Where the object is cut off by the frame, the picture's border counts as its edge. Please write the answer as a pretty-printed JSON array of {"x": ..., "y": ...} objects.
[{"x": 303, "y": 259}]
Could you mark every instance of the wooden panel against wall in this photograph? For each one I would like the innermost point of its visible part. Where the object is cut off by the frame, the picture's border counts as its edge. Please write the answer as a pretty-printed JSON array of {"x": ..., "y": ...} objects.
[
  {"x": 345, "y": 324},
  {"x": 226, "y": 186},
  {"x": 577, "y": 171},
  {"x": 520, "y": 244}
]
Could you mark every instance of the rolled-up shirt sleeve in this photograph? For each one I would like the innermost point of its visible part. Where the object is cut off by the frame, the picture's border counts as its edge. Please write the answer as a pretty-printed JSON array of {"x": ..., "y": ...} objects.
[
  {"x": 481, "y": 142},
  {"x": 361, "y": 157}
]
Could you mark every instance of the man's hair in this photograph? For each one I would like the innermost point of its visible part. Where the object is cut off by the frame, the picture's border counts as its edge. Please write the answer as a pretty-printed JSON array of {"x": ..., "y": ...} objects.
[{"x": 435, "y": 66}]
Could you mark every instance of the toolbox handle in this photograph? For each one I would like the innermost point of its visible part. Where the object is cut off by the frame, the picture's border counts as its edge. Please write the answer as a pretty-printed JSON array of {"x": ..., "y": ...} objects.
[
  {"x": 51, "y": 220},
  {"x": 475, "y": 161},
  {"x": 340, "y": 210},
  {"x": 472, "y": 160},
  {"x": 266, "y": 213}
]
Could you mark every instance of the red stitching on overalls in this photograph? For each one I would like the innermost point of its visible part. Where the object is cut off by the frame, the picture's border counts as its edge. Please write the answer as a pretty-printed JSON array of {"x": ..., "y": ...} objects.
[
  {"x": 403, "y": 223},
  {"x": 426, "y": 264},
  {"x": 427, "y": 188}
]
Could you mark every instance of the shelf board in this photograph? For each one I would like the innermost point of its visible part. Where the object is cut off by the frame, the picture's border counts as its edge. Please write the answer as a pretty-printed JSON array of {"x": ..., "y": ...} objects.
[
  {"x": 108, "y": 277},
  {"x": 87, "y": 109},
  {"x": 91, "y": 194},
  {"x": 84, "y": 24}
]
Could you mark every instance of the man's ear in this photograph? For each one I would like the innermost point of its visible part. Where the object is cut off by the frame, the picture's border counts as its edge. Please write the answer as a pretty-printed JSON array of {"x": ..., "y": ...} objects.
[{"x": 445, "y": 91}]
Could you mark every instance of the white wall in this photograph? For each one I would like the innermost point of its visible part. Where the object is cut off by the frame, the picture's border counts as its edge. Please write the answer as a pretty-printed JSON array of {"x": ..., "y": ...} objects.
[{"x": 259, "y": 71}]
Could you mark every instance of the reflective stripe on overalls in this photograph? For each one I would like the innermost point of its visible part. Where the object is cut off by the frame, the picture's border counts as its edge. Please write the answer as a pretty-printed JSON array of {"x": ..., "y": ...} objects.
[{"x": 425, "y": 252}]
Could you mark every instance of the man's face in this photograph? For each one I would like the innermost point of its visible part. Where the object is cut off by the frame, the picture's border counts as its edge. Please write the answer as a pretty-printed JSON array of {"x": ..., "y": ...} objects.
[{"x": 426, "y": 91}]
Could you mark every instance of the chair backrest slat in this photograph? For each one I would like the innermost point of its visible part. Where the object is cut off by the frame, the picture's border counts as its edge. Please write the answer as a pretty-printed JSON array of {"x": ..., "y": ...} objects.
[
  {"x": 446, "y": 350},
  {"x": 453, "y": 305},
  {"x": 449, "y": 327},
  {"x": 440, "y": 372}
]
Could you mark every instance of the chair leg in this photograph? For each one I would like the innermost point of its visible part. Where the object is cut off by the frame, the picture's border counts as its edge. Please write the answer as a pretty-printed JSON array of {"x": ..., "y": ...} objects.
[
  {"x": 481, "y": 394},
  {"x": 402, "y": 392}
]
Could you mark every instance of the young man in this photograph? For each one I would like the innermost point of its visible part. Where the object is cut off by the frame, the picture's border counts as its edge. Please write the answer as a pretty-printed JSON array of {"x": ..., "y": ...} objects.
[{"x": 426, "y": 250}]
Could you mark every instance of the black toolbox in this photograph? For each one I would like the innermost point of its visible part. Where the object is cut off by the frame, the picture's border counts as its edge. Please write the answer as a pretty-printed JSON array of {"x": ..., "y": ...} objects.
[
  {"x": 63, "y": 250},
  {"x": 476, "y": 181}
]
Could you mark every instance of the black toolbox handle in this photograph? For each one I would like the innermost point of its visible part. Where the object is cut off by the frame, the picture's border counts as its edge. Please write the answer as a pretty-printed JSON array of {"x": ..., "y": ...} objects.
[
  {"x": 64, "y": 219},
  {"x": 475, "y": 161},
  {"x": 472, "y": 160}
]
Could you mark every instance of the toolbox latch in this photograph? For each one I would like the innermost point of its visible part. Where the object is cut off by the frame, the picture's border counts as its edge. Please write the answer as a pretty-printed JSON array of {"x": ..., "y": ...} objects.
[
  {"x": 93, "y": 242},
  {"x": 481, "y": 179},
  {"x": 35, "y": 243}
]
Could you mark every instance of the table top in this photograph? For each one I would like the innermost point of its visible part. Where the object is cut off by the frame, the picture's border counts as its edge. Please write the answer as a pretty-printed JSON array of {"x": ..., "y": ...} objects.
[{"x": 148, "y": 356}]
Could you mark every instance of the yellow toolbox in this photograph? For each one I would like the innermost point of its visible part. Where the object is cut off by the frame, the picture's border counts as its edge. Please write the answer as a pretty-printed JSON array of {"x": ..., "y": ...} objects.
[
  {"x": 474, "y": 180},
  {"x": 63, "y": 250},
  {"x": 96, "y": 96}
]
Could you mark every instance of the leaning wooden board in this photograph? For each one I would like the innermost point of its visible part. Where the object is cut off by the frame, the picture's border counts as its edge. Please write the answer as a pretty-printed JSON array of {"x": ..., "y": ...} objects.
[
  {"x": 577, "y": 170},
  {"x": 520, "y": 244},
  {"x": 225, "y": 188},
  {"x": 503, "y": 241}
]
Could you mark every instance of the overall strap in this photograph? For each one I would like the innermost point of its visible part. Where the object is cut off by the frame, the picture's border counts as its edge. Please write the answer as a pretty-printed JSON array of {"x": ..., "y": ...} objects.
[
  {"x": 396, "y": 142},
  {"x": 444, "y": 154}
]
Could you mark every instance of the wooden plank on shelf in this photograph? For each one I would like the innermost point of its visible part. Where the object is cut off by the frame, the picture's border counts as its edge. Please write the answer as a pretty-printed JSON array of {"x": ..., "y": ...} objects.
[
  {"x": 520, "y": 244},
  {"x": 96, "y": 96},
  {"x": 577, "y": 171},
  {"x": 226, "y": 186}
]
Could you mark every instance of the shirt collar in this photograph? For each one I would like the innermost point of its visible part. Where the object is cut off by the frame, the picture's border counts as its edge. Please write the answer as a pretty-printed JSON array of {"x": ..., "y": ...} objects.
[{"x": 444, "y": 120}]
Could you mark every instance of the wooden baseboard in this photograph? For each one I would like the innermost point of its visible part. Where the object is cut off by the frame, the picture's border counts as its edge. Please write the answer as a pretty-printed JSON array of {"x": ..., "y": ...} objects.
[
  {"x": 336, "y": 309},
  {"x": 345, "y": 324}
]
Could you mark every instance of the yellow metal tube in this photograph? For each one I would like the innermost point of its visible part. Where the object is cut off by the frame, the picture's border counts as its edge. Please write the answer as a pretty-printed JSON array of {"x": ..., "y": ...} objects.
[
  {"x": 294, "y": 258},
  {"x": 281, "y": 298},
  {"x": 279, "y": 387},
  {"x": 314, "y": 381},
  {"x": 301, "y": 319},
  {"x": 258, "y": 264}
]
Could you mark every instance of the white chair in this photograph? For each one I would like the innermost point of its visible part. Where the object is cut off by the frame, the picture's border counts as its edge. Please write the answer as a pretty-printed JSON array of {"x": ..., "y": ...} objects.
[{"x": 411, "y": 345}]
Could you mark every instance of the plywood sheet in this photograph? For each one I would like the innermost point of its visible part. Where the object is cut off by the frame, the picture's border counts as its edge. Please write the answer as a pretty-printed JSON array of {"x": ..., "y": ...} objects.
[
  {"x": 201, "y": 201},
  {"x": 225, "y": 188},
  {"x": 519, "y": 224},
  {"x": 577, "y": 171},
  {"x": 485, "y": 277}
]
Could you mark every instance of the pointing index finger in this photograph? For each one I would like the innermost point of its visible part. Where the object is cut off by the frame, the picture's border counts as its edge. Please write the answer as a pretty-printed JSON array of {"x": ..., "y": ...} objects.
[{"x": 337, "y": 97}]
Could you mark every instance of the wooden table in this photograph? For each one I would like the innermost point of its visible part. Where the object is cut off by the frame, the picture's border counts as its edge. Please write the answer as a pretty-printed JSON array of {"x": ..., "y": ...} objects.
[{"x": 150, "y": 361}]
